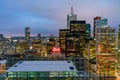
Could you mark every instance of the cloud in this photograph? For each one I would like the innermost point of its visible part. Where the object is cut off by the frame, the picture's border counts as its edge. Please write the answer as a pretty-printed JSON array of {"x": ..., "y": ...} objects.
[{"x": 47, "y": 16}]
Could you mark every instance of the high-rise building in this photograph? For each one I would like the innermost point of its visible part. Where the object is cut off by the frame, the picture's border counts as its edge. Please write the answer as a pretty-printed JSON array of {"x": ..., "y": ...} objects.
[
  {"x": 105, "y": 51},
  {"x": 27, "y": 35},
  {"x": 95, "y": 20},
  {"x": 1, "y": 43},
  {"x": 38, "y": 37},
  {"x": 91, "y": 56},
  {"x": 118, "y": 54},
  {"x": 37, "y": 45},
  {"x": 75, "y": 40},
  {"x": 101, "y": 22},
  {"x": 88, "y": 31},
  {"x": 71, "y": 17},
  {"x": 75, "y": 43},
  {"x": 51, "y": 43},
  {"x": 62, "y": 39}
]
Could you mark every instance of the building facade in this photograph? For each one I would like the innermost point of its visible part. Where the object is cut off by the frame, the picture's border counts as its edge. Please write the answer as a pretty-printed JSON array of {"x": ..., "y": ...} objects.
[
  {"x": 1, "y": 43},
  {"x": 118, "y": 53},
  {"x": 32, "y": 70},
  {"x": 88, "y": 31},
  {"x": 105, "y": 51},
  {"x": 99, "y": 22},
  {"x": 103, "y": 22},
  {"x": 37, "y": 46},
  {"x": 62, "y": 39},
  {"x": 95, "y": 20},
  {"x": 27, "y": 35},
  {"x": 76, "y": 43},
  {"x": 71, "y": 17},
  {"x": 75, "y": 40},
  {"x": 2, "y": 66}
]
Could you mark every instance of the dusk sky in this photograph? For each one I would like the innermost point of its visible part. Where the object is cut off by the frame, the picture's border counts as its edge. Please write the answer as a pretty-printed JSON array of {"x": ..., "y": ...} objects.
[{"x": 48, "y": 16}]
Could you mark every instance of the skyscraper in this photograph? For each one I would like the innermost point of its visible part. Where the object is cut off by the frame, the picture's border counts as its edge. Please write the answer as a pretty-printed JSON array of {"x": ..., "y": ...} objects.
[
  {"x": 95, "y": 19},
  {"x": 27, "y": 36},
  {"x": 105, "y": 51},
  {"x": 1, "y": 43},
  {"x": 118, "y": 54},
  {"x": 88, "y": 31},
  {"x": 71, "y": 17},
  {"x": 101, "y": 22},
  {"x": 62, "y": 39},
  {"x": 73, "y": 42},
  {"x": 37, "y": 46},
  {"x": 76, "y": 38},
  {"x": 38, "y": 37}
]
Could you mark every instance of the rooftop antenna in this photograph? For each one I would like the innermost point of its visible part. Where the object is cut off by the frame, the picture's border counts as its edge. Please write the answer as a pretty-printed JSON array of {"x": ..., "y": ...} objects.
[{"x": 72, "y": 10}]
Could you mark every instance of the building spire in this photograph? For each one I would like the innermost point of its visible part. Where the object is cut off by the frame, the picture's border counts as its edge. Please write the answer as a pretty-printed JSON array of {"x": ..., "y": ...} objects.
[{"x": 72, "y": 10}]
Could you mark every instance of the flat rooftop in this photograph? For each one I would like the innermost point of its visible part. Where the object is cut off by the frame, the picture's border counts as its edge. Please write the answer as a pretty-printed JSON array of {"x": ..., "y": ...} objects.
[
  {"x": 3, "y": 61},
  {"x": 37, "y": 66}
]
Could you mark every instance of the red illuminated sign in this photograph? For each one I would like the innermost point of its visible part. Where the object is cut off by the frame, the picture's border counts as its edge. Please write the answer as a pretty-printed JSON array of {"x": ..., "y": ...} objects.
[{"x": 56, "y": 49}]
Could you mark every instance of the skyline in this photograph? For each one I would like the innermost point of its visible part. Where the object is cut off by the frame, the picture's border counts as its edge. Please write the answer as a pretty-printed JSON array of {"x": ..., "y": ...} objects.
[{"x": 47, "y": 17}]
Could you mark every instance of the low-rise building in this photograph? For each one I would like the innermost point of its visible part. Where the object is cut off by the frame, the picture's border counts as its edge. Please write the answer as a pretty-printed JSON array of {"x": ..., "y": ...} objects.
[{"x": 42, "y": 70}]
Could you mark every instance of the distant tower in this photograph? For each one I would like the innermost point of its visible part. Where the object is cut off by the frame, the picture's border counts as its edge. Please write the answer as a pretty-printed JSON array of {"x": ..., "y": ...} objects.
[
  {"x": 1, "y": 42},
  {"x": 119, "y": 27},
  {"x": 27, "y": 34},
  {"x": 95, "y": 20},
  {"x": 72, "y": 10},
  {"x": 88, "y": 30},
  {"x": 38, "y": 37},
  {"x": 71, "y": 17}
]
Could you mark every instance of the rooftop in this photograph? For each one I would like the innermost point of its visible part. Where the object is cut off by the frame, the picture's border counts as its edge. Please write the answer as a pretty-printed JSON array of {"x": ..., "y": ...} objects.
[
  {"x": 3, "y": 61},
  {"x": 26, "y": 66}
]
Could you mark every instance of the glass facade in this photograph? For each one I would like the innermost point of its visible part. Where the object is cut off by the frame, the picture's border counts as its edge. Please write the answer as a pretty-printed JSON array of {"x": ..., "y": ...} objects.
[
  {"x": 88, "y": 30},
  {"x": 27, "y": 36},
  {"x": 63, "y": 75},
  {"x": 95, "y": 20},
  {"x": 27, "y": 33},
  {"x": 71, "y": 17},
  {"x": 1, "y": 43},
  {"x": 105, "y": 51},
  {"x": 62, "y": 39},
  {"x": 118, "y": 54},
  {"x": 101, "y": 22},
  {"x": 75, "y": 39}
]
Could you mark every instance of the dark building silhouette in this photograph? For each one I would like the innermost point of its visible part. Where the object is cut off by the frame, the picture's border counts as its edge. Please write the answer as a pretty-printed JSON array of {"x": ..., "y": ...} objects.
[{"x": 73, "y": 40}]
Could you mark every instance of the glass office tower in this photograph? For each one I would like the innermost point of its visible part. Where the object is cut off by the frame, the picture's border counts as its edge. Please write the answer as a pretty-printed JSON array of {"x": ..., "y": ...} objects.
[
  {"x": 71, "y": 17},
  {"x": 105, "y": 51}
]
